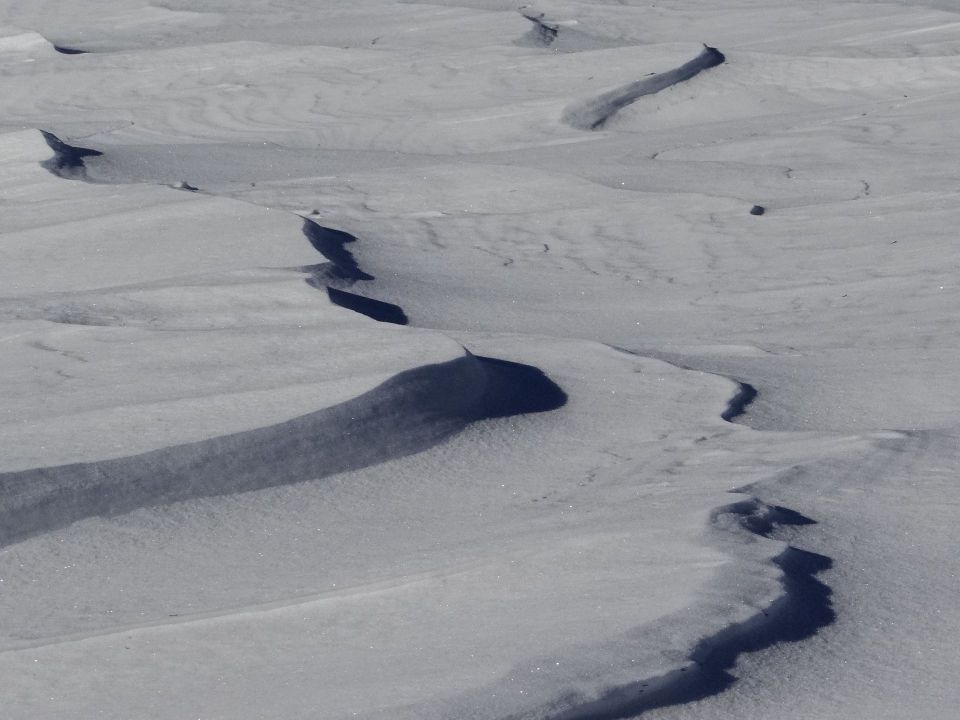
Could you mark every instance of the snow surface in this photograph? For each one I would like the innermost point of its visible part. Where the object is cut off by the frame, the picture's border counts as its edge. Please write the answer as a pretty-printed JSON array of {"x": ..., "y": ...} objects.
[{"x": 620, "y": 448}]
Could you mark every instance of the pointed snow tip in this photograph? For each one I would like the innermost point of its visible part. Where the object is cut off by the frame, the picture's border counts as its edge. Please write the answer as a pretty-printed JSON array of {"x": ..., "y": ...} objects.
[
  {"x": 717, "y": 56},
  {"x": 67, "y": 160}
]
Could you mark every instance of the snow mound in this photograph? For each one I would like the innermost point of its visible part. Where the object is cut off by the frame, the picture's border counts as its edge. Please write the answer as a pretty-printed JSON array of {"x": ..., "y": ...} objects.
[{"x": 407, "y": 413}]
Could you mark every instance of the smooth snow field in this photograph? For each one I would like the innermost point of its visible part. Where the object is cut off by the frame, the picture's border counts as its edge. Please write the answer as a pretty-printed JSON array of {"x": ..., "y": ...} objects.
[{"x": 479, "y": 360}]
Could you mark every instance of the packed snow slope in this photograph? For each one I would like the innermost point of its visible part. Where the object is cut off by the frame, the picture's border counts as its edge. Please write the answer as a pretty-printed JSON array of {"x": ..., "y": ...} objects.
[{"x": 397, "y": 359}]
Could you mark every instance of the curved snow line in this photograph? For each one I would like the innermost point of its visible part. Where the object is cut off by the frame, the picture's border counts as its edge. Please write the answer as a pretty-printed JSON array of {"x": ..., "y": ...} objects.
[
  {"x": 736, "y": 406},
  {"x": 801, "y": 610},
  {"x": 798, "y": 613},
  {"x": 593, "y": 114},
  {"x": 410, "y": 412}
]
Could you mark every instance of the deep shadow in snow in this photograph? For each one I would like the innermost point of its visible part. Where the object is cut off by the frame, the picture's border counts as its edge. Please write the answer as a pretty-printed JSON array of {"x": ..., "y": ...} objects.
[
  {"x": 63, "y": 50},
  {"x": 67, "y": 161},
  {"x": 517, "y": 389},
  {"x": 342, "y": 268},
  {"x": 802, "y": 610},
  {"x": 737, "y": 405},
  {"x": 332, "y": 244},
  {"x": 375, "y": 309}
]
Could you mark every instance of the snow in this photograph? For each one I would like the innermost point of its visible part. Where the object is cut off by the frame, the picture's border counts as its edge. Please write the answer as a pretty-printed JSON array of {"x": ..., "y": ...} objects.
[
  {"x": 227, "y": 493},
  {"x": 152, "y": 324}
]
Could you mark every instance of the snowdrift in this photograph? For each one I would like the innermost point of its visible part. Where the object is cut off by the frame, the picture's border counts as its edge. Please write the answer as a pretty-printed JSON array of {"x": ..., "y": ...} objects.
[{"x": 404, "y": 415}]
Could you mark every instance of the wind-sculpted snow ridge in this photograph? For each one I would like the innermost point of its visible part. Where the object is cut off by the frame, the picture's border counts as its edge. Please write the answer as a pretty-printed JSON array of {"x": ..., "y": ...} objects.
[
  {"x": 799, "y": 613},
  {"x": 410, "y": 412},
  {"x": 561, "y": 36},
  {"x": 594, "y": 114},
  {"x": 543, "y": 33},
  {"x": 67, "y": 161}
]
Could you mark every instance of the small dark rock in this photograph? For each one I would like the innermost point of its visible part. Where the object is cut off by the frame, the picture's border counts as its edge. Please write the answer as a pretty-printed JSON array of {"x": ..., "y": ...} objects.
[{"x": 757, "y": 210}]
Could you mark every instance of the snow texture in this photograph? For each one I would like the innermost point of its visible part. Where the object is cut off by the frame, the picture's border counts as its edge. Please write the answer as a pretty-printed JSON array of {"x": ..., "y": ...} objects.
[{"x": 466, "y": 359}]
